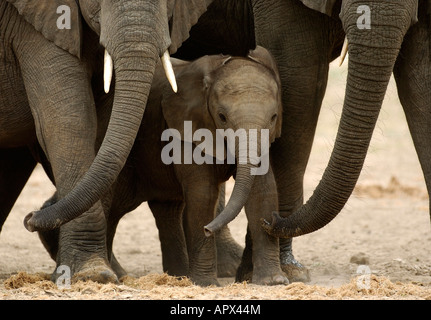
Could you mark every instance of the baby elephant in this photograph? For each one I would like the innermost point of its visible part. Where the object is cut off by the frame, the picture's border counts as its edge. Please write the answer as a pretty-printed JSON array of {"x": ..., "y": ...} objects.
[{"x": 219, "y": 124}]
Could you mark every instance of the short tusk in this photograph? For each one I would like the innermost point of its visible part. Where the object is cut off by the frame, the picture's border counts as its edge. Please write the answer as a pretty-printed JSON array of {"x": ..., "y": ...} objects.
[
  {"x": 344, "y": 51},
  {"x": 167, "y": 65},
  {"x": 107, "y": 72}
]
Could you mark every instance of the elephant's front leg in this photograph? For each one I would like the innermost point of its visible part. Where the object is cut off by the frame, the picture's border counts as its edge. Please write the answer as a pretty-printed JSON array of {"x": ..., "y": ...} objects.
[
  {"x": 262, "y": 202},
  {"x": 229, "y": 252},
  {"x": 59, "y": 93},
  {"x": 201, "y": 192}
]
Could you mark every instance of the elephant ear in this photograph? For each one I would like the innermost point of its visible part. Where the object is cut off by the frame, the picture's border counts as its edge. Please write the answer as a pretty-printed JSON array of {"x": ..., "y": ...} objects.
[
  {"x": 264, "y": 57},
  {"x": 190, "y": 102},
  {"x": 45, "y": 15},
  {"x": 183, "y": 15},
  {"x": 323, "y": 6}
]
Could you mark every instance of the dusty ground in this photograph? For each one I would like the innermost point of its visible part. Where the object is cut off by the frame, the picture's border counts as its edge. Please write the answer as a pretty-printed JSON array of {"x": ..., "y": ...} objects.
[{"x": 385, "y": 225}]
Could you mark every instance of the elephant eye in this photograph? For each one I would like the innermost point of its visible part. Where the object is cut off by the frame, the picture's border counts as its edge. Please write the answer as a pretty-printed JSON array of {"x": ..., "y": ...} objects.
[
  {"x": 222, "y": 117},
  {"x": 274, "y": 117}
]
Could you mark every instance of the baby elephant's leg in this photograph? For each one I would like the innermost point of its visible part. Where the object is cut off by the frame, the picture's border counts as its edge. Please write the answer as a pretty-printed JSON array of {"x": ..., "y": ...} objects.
[{"x": 265, "y": 248}]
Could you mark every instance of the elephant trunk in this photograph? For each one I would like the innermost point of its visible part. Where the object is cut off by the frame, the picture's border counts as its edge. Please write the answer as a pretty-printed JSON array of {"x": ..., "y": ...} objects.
[
  {"x": 244, "y": 180},
  {"x": 134, "y": 62},
  {"x": 372, "y": 55}
]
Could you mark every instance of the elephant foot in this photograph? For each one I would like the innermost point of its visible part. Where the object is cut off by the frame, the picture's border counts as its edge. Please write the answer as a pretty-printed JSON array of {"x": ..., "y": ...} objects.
[
  {"x": 295, "y": 271},
  {"x": 229, "y": 254},
  {"x": 278, "y": 278},
  {"x": 245, "y": 274},
  {"x": 205, "y": 281},
  {"x": 95, "y": 270}
]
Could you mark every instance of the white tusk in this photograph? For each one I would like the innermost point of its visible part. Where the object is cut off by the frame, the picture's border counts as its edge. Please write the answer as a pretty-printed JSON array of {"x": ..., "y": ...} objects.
[
  {"x": 107, "y": 72},
  {"x": 344, "y": 51},
  {"x": 167, "y": 65}
]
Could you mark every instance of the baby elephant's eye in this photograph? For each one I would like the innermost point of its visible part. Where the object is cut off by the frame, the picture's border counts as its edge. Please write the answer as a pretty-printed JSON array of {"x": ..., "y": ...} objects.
[
  {"x": 222, "y": 117},
  {"x": 274, "y": 117}
]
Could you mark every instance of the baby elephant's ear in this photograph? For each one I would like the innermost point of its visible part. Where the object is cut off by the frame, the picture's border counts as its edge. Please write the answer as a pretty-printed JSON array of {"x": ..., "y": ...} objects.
[
  {"x": 58, "y": 20},
  {"x": 190, "y": 102},
  {"x": 264, "y": 57}
]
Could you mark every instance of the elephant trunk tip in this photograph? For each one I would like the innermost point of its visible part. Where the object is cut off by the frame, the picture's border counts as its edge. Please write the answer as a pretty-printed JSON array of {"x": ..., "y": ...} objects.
[
  {"x": 211, "y": 228},
  {"x": 34, "y": 222},
  {"x": 28, "y": 223},
  {"x": 278, "y": 227},
  {"x": 226, "y": 216}
]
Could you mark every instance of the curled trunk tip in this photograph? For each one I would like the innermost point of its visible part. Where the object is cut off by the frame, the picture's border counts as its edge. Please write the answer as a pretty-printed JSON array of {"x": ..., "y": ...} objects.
[{"x": 215, "y": 226}]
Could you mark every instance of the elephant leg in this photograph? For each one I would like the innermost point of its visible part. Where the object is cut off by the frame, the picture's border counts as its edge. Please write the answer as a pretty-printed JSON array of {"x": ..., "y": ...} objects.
[
  {"x": 201, "y": 192},
  {"x": 169, "y": 221},
  {"x": 265, "y": 248},
  {"x": 112, "y": 222},
  {"x": 245, "y": 269},
  {"x": 303, "y": 45},
  {"x": 62, "y": 105},
  {"x": 16, "y": 166},
  {"x": 50, "y": 238},
  {"x": 229, "y": 251},
  {"x": 412, "y": 73}
]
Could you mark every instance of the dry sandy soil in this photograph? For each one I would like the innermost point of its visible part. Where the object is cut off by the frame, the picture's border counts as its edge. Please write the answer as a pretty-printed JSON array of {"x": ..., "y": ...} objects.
[{"x": 385, "y": 225}]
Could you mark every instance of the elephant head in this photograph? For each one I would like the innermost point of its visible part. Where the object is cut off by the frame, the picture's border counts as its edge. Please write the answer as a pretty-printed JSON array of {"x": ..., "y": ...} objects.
[
  {"x": 373, "y": 50},
  {"x": 229, "y": 93},
  {"x": 135, "y": 34}
]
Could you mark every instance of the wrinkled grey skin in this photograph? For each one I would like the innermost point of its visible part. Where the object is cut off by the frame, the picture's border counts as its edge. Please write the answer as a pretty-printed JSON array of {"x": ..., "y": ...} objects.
[
  {"x": 46, "y": 100},
  {"x": 45, "y": 87},
  {"x": 135, "y": 34},
  {"x": 228, "y": 27},
  {"x": 309, "y": 35},
  {"x": 185, "y": 197},
  {"x": 396, "y": 43},
  {"x": 236, "y": 38}
]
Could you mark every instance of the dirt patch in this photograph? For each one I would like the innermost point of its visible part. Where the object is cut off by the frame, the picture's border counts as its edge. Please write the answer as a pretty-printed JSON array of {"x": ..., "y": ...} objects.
[
  {"x": 394, "y": 189},
  {"x": 162, "y": 286}
]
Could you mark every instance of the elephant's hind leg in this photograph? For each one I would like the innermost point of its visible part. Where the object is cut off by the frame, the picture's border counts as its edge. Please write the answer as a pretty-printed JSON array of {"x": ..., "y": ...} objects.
[{"x": 169, "y": 221}]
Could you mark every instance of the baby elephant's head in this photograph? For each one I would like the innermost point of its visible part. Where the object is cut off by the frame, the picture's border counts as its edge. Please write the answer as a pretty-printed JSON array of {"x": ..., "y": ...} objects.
[
  {"x": 244, "y": 93},
  {"x": 225, "y": 92}
]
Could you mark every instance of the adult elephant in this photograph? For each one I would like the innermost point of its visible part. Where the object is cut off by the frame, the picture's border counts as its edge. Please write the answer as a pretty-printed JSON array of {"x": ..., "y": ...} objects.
[
  {"x": 49, "y": 68},
  {"x": 392, "y": 41},
  {"x": 135, "y": 35},
  {"x": 304, "y": 36}
]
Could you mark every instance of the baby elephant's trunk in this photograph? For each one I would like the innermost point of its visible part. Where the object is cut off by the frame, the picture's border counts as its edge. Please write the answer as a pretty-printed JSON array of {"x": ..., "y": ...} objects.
[{"x": 244, "y": 179}]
